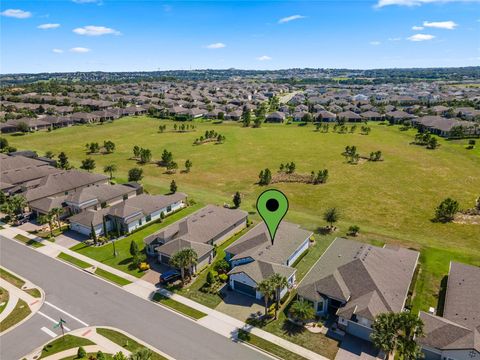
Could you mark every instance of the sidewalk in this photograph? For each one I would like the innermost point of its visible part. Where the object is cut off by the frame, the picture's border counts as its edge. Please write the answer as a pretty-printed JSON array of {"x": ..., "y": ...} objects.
[{"x": 216, "y": 321}]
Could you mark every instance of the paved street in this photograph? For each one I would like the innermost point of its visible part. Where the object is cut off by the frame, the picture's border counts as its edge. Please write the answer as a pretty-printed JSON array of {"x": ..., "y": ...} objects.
[{"x": 81, "y": 299}]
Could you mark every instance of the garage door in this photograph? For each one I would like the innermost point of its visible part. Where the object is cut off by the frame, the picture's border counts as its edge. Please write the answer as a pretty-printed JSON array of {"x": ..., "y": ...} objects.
[
  {"x": 164, "y": 259},
  {"x": 244, "y": 288}
]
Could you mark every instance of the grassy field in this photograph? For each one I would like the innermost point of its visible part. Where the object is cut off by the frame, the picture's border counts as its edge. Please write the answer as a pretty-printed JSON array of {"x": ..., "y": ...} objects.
[
  {"x": 177, "y": 306},
  {"x": 126, "y": 342},
  {"x": 64, "y": 343},
  {"x": 392, "y": 201},
  {"x": 19, "y": 312}
]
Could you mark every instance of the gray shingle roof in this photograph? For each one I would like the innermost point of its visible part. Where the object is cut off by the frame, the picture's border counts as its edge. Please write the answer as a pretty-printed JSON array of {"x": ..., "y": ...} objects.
[
  {"x": 174, "y": 246},
  {"x": 260, "y": 270},
  {"x": 370, "y": 278}
]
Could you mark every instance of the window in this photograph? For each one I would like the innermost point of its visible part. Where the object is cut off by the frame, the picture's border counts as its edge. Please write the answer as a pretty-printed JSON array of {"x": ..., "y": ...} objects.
[
  {"x": 125, "y": 197},
  {"x": 148, "y": 218},
  {"x": 169, "y": 208},
  {"x": 140, "y": 222}
]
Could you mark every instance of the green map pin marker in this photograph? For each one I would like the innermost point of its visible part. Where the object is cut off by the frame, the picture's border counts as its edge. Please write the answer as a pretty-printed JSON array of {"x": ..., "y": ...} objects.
[{"x": 272, "y": 205}]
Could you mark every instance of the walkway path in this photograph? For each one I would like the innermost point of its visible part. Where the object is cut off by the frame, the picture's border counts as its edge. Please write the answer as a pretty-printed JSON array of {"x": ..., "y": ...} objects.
[{"x": 216, "y": 321}]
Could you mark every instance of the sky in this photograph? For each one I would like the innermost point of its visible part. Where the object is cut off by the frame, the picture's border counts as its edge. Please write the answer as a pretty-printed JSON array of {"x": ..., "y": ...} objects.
[{"x": 122, "y": 35}]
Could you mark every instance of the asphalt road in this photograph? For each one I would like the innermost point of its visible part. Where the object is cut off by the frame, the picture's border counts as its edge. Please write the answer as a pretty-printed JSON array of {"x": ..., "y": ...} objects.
[{"x": 81, "y": 299}]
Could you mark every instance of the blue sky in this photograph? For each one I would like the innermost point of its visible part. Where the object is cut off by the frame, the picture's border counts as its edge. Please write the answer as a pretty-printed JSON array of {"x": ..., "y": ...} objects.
[{"x": 87, "y": 35}]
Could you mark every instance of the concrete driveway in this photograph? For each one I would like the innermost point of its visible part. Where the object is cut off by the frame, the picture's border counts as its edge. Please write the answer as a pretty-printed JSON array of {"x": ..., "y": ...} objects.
[
  {"x": 238, "y": 305},
  {"x": 70, "y": 238},
  {"x": 353, "y": 348},
  {"x": 156, "y": 269}
]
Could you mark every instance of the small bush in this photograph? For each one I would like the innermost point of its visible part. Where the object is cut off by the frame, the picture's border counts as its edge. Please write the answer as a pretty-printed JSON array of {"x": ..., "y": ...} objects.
[
  {"x": 81, "y": 353},
  {"x": 222, "y": 266},
  {"x": 223, "y": 277}
]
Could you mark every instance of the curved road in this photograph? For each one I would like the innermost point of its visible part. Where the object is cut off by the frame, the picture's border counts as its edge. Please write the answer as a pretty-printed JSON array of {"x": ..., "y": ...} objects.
[{"x": 82, "y": 299}]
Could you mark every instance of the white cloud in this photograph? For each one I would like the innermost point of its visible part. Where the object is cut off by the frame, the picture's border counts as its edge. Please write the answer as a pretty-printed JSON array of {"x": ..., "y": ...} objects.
[
  {"x": 218, "y": 45},
  {"x": 91, "y": 30},
  {"x": 264, "y": 58},
  {"x": 57, "y": 51},
  {"x": 16, "y": 13},
  {"x": 375, "y": 43},
  {"x": 80, "y": 50},
  {"x": 290, "y": 18},
  {"x": 416, "y": 28},
  {"x": 395, "y": 39},
  {"x": 449, "y": 25},
  {"x": 421, "y": 37},
  {"x": 48, "y": 26}
]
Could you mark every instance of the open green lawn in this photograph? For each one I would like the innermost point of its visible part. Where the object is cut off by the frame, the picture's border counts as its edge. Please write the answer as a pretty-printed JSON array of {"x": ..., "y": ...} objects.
[
  {"x": 19, "y": 312},
  {"x": 112, "y": 277},
  {"x": 123, "y": 260},
  {"x": 126, "y": 342},
  {"x": 64, "y": 343},
  {"x": 392, "y": 201}
]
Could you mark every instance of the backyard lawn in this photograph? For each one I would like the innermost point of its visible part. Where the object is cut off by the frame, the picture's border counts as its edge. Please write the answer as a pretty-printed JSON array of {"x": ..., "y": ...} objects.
[
  {"x": 123, "y": 260},
  {"x": 392, "y": 201}
]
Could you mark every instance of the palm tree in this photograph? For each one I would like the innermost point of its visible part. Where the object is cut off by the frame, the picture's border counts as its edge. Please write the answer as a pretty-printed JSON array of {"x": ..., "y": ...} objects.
[
  {"x": 111, "y": 168},
  {"x": 184, "y": 259},
  {"x": 397, "y": 332},
  {"x": 141, "y": 354},
  {"x": 302, "y": 310},
  {"x": 56, "y": 212},
  {"x": 279, "y": 282},
  {"x": 14, "y": 205},
  {"x": 267, "y": 289},
  {"x": 47, "y": 219}
]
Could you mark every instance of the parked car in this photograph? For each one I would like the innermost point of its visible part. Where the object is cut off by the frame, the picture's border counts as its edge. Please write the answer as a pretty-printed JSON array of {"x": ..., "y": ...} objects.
[{"x": 169, "y": 276}]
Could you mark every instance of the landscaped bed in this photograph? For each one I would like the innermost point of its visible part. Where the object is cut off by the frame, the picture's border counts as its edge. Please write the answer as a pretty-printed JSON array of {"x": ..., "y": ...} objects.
[
  {"x": 64, "y": 343},
  {"x": 126, "y": 342},
  {"x": 178, "y": 306},
  {"x": 20, "y": 312}
]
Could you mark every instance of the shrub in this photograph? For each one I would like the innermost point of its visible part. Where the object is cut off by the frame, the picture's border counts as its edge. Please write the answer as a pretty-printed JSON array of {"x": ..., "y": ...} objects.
[
  {"x": 211, "y": 277},
  {"x": 223, "y": 277},
  {"x": 222, "y": 266},
  {"x": 81, "y": 353},
  {"x": 353, "y": 230}
]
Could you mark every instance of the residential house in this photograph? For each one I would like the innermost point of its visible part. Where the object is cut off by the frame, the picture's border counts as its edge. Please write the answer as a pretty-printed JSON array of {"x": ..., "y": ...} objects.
[
  {"x": 456, "y": 334},
  {"x": 254, "y": 258},
  {"x": 356, "y": 282}
]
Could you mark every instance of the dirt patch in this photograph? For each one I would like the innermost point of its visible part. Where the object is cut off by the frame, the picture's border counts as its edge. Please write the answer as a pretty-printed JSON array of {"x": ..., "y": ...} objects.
[{"x": 467, "y": 219}]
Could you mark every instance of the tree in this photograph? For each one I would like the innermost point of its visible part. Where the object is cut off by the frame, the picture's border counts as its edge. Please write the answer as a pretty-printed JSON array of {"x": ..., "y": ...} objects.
[
  {"x": 265, "y": 177},
  {"x": 446, "y": 211},
  {"x": 47, "y": 219},
  {"x": 63, "y": 161},
  {"x": 167, "y": 157},
  {"x": 3, "y": 144},
  {"x": 183, "y": 260},
  {"x": 136, "y": 151},
  {"x": 135, "y": 174},
  {"x": 432, "y": 143},
  {"x": 23, "y": 127},
  {"x": 56, "y": 213},
  {"x": 188, "y": 166},
  {"x": 353, "y": 230},
  {"x": 14, "y": 206},
  {"x": 134, "y": 248},
  {"x": 100, "y": 355},
  {"x": 173, "y": 187},
  {"x": 119, "y": 356},
  {"x": 246, "y": 117},
  {"x": 279, "y": 282},
  {"x": 93, "y": 233},
  {"x": 145, "y": 156},
  {"x": 237, "y": 200},
  {"x": 302, "y": 311},
  {"x": 267, "y": 289},
  {"x": 141, "y": 354},
  {"x": 172, "y": 167},
  {"x": 396, "y": 332},
  {"x": 88, "y": 164},
  {"x": 81, "y": 353},
  {"x": 49, "y": 154},
  {"x": 110, "y": 169},
  {"x": 331, "y": 216},
  {"x": 109, "y": 146}
]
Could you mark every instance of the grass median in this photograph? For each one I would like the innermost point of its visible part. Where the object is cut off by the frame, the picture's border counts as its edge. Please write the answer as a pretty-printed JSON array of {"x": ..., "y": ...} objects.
[
  {"x": 126, "y": 342},
  {"x": 74, "y": 261},
  {"x": 178, "y": 306},
  {"x": 27, "y": 241},
  {"x": 64, "y": 343},
  {"x": 112, "y": 277},
  {"x": 19, "y": 312}
]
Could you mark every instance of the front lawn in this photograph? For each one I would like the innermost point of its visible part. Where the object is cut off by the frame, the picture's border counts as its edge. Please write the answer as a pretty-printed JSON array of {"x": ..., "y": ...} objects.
[
  {"x": 178, "y": 306},
  {"x": 112, "y": 277},
  {"x": 126, "y": 342},
  {"x": 64, "y": 343},
  {"x": 123, "y": 260},
  {"x": 268, "y": 346},
  {"x": 20, "y": 312},
  {"x": 73, "y": 260}
]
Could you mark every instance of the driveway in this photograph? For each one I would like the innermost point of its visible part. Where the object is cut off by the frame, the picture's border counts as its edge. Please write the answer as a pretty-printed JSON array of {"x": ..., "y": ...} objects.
[
  {"x": 156, "y": 269},
  {"x": 70, "y": 238},
  {"x": 238, "y": 305},
  {"x": 353, "y": 348}
]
